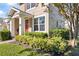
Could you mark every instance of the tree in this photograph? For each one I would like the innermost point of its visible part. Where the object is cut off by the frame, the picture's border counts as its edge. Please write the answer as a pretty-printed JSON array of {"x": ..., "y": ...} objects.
[{"x": 71, "y": 13}]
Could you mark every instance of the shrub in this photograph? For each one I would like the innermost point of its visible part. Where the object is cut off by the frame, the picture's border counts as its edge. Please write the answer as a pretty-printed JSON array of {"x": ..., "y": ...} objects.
[
  {"x": 64, "y": 33},
  {"x": 33, "y": 42},
  {"x": 56, "y": 45},
  {"x": 39, "y": 43},
  {"x": 5, "y": 35},
  {"x": 36, "y": 34},
  {"x": 59, "y": 45},
  {"x": 23, "y": 39}
]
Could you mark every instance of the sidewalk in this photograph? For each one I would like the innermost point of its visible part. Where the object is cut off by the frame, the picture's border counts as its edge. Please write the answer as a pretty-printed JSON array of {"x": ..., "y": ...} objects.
[{"x": 8, "y": 41}]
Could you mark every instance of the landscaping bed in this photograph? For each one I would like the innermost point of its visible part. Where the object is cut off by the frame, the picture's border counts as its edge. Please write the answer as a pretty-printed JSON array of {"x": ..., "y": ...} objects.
[
  {"x": 56, "y": 44},
  {"x": 38, "y": 44}
]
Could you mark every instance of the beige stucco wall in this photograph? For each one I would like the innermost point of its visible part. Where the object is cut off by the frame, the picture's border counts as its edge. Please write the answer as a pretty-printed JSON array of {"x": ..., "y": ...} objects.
[
  {"x": 23, "y": 7},
  {"x": 37, "y": 12}
]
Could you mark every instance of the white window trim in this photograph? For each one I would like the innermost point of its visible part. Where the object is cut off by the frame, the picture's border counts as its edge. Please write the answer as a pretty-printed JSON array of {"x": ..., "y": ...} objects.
[{"x": 38, "y": 23}]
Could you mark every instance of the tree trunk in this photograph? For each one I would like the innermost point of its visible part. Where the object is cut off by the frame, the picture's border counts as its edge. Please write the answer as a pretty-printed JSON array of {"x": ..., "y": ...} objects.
[{"x": 74, "y": 31}]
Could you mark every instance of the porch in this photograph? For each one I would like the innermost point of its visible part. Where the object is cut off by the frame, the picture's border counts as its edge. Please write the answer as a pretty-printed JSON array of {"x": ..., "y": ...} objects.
[{"x": 21, "y": 24}]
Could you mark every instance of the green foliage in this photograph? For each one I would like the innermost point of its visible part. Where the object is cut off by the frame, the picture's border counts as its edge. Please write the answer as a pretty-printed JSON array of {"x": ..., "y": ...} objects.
[
  {"x": 38, "y": 43},
  {"x": 36, "y": 34},
  {"x": 23, "y": 39},
  {"x": 5, "y": 35},
  {"x": 59, "y": 45},
  {"x": 64, "y": 33},
  {"x": 56, "y": 45}
]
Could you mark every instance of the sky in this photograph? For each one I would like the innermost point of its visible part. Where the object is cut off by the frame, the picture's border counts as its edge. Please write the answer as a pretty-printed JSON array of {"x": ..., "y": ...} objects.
[{"x": 4, "y": 9}]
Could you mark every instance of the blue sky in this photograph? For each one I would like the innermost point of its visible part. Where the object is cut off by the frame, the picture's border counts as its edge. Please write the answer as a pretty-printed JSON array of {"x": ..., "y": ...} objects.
[{"x": 4, "y": 9}]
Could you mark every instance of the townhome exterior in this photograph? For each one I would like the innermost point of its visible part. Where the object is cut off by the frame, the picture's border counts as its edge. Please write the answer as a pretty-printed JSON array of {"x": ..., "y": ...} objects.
[{"x": 36, "y": 18}]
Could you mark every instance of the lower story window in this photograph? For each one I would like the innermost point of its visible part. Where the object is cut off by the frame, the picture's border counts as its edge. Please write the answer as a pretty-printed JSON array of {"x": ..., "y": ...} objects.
[
  {"x": 35, "y": 27},
  {"x": 39, "y": 24},
  {"x": 42, "y": 27}
]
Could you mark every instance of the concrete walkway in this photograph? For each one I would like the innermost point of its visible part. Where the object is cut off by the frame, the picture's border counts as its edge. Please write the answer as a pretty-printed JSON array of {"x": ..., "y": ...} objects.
[{"x": 8, "y": 41}]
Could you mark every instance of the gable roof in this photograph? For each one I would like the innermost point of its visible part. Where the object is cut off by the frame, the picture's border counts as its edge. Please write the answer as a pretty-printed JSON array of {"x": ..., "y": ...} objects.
[{"x": 20, "y": 12}]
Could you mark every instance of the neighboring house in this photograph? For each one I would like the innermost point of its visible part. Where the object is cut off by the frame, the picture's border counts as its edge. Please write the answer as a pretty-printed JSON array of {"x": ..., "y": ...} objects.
[
  {"x": 6, "y": 23},
  {"x": 36, "y": 18},
  {"x": 3, "y": 24}
]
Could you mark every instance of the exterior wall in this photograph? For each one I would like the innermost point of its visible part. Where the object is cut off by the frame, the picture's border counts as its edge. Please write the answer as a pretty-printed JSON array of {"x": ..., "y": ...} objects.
[
  {"x": 37, "y": 12},
  {"x": 30, "y": 24},
  {"x": 16, "y": 26},
  {"x": 54, "y": 17},
  {"x": 23, "y": 7}
]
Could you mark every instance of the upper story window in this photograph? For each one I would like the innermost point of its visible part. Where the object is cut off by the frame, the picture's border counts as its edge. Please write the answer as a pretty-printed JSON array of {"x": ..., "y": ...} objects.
[{"x": 30, "y": 5}]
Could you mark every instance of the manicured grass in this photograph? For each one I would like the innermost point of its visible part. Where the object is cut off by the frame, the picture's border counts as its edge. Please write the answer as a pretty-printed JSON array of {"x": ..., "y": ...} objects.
[
  {"x": 10, "y": 49},
  {"x": 16, "y": 50}
]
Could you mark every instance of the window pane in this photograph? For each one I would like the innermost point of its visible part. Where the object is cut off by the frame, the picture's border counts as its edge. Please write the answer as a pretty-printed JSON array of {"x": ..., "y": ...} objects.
[
  {"x": 35, "y": 27},
  {"x": 36, "y": 21},
  {"x": 42, "y": 27},
  {"x": 41, "y": 20},
  {"x": 28, "y": 5},
  {"x": 32, "y": 5}
]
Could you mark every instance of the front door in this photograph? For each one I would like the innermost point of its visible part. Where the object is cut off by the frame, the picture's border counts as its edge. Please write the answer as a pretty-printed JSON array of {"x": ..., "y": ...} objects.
[{"x": 26, "y": 25}]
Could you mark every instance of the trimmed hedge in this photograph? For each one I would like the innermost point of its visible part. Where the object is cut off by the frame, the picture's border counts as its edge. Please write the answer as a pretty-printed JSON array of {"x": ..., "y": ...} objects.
[
  {"x": 5, "y": 35},
  {"x": 57, "y": 45},
  {"x": 37, "y": 34},
  {"x": 64, "y": 33},
  {"x": 23, "y": 39}
]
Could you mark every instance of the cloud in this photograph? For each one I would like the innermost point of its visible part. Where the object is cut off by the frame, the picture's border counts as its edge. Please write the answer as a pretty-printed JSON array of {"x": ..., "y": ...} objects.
[
  {"x": 2, "y": 14},
  {"x": 12, "y": 4}
]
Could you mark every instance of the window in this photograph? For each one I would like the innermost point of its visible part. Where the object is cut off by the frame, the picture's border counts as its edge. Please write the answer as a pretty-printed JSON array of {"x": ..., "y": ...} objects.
[
  {"x": 59, "y": 24},
  {"x": 39, "y": 24},
  {"x": 33, "y": 5},
  {"x": 36, "y": 24},
  {"x": 30, "y": 5}
]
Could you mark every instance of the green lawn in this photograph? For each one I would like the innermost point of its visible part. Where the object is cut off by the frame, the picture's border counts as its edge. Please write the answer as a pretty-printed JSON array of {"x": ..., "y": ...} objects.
[{"x": 17, "y": 50}]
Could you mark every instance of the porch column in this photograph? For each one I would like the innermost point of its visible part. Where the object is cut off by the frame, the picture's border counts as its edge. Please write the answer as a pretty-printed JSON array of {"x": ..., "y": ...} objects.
[
  {"x": 21, "y": 26},
  {"x": 12, "y": 28}
]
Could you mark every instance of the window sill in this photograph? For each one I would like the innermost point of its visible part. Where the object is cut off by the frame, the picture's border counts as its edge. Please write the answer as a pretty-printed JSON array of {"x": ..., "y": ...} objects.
[{"x": 39, "y": 31}]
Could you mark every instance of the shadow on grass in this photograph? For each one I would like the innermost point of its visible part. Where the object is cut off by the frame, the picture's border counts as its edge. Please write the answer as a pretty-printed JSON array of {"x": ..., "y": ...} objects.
[{"x": 27, "y": 49}]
